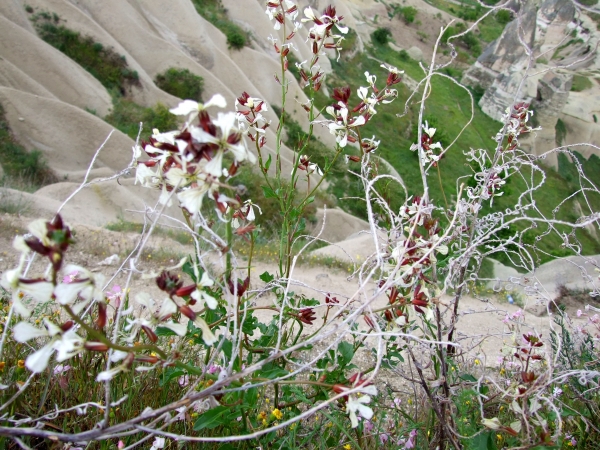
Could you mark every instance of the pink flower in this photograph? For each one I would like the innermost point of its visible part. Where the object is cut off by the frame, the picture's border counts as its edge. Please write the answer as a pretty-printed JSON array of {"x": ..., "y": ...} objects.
[
  {"x": 61, "y": 369},
  {"x": 73, "y": 276},
  {"x": 184, "y": 380},
  {"x": 121, "y": 445},
  {"x": 115, "y": 296},
  {"x": 579, "y": 313},
  {"x": 383, "y": 438},
  {"x": 368, "y": 426},
  {"x": 410, "y": 443}
]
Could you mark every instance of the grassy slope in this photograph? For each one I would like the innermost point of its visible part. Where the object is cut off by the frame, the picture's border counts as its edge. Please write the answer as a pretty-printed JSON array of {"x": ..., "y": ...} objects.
[{"x": 448, "y": 108}]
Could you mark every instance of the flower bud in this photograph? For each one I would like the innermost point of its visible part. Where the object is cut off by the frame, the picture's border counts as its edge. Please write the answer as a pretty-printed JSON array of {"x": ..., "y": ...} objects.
[
  {"x": 187, "y": 312},
  {"x": 151, "y": 334},
  {"x": 95, "y": 346}
]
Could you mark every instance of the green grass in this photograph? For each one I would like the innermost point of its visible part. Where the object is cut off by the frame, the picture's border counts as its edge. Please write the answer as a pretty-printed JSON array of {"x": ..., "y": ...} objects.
[
  {"x": 23, "y": 170},
  {"x": 215, "y": 13},
  {"x": 581, "y": 83},
  {"x": 106, "y": 65},
  {"x": 127, "y": 115},
  {"x": 181, "y": 83},
  {"x": 125, "y": 226},
  {"x": 447, "y": 109}
]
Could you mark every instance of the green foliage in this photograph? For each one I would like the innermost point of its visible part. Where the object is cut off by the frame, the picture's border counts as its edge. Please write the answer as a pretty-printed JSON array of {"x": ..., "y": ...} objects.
[
  {"x": 215, "y": 13},
  {"x": 503, "y": 16},
  {"x": 581, "y": 83},
  {"x": 561, "y": 132},
  {"x": 408, "y": 13},
  {"x": 181, "y": 83},
  {"x": 381, "y": 36},
  {"x": 403, "y": 55},
  {"x": 127, "y": 115},
  {"x": 22, "y": 169},
  {"x": 106, "y": 65}
]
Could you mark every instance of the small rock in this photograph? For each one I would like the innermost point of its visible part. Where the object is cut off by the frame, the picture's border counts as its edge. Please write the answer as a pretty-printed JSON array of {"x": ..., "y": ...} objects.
[
  {"x": 415, "y": 53},
  {"x": 112, "y": 260}
]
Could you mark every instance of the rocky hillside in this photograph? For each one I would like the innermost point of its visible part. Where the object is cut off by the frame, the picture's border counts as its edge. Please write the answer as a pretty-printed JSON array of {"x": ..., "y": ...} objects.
[
  {"x": 54, "y": 105},
  {"x": 548, "y": 57}
]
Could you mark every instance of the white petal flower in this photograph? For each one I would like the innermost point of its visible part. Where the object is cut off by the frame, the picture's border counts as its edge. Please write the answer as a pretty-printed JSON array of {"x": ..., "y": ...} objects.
[
  {"x": 109, "y": 374},
  {"x": 177, "y": 328},
  {"x": 207, "y": 335},
  {"x": 23, "y": 332},
  {"x": 158, "y": 443},
  {"x": 202, "y": 296},
  {"x": 39, "y": 229},
  {"x": 38, "y": 361}
]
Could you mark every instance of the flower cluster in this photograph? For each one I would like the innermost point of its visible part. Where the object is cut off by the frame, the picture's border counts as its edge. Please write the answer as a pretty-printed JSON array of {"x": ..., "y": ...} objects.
[
  {"x": 516, "y": 119},
  {"x": 346, "y": 120},
  {"x": 189, "y": 162},
  {"x": 427, "y": 146}
]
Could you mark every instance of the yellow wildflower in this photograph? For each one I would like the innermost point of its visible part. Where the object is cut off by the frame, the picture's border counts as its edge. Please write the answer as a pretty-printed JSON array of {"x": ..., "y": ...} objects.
[
  {"x": 2, "y": 364},
  {"x": 347, "y": 447},
  {"x": 277, "y": 414},
  {"x": 21, "y": 363}
]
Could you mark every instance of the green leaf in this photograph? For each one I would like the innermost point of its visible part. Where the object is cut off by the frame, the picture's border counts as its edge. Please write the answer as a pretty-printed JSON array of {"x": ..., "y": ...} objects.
[
  {"x": 468, "y": 377},
  {"x": 269, "y": 193},
  {"x": 211, "y": 418},
  {"x": 346, "y": 351},
  {"x": 273, "y": 373},
  {"x": 268, "y": 163},
  {"x": 310, "y": 199},
  {"x": 227, "y": 348},
  {"x": 266, "y": 277},
  {"x": 169, "y": 374},
  {"x": 309, "y": 302},
  {"x": 249, "y": 325},
  {"x": 484, "y": 441},
  {"x": 164, "y": 331},
  {"x": 189, "y": 269}
]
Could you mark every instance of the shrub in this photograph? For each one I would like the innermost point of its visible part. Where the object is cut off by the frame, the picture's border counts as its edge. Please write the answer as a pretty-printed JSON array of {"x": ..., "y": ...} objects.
[
  {"x": 408, "y": 13},
  {"x": 381, "y": 36},
  {"x": 503, "y": 16},
  {"x": 215, "y": 13},
  {"x": 181, "y": 83},
  {"x": 580, "y": 83},
  {"x": 561, "y": 132},
  {"x": 22, "y": 169},
  {"x": 236, "y": 39},
  {"x": 127, "y": 115},
  {"x": 106, "y": 65}
]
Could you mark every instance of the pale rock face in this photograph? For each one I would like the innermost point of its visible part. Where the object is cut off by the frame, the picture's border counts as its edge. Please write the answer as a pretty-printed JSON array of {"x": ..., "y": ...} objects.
[{"x": 501, "y": 69}]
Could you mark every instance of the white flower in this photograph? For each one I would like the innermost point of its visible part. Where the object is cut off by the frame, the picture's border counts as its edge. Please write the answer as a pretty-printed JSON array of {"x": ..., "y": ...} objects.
[
  {"x": 191, "y": 199},
  {"x": 39, "y": 290},
  {"x": 191, "y": 109},
  {"x": 146, "y": 176},
  {"x": 87, "y": 287},
  {"x": 207, "y": 335},
  {"x": 66, "y": 343},
  {"x": 158, "y": 443},
  {"x": 358, "y": 405},
  {"x": 200, "y": 295},
  {"x": 340, "y": 128}
]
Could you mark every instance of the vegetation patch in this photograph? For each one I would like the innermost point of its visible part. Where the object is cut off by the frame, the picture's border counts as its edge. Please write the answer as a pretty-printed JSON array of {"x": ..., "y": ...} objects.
[
  {"x": 23, "y": 170},
  {"x": 181, "y": 83},
  {"x": 581, "y": 83},
  {"x": 127, "y": 115},
  {"x": 215, "y": 13},
  {"x": 104, "y": 63}
]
